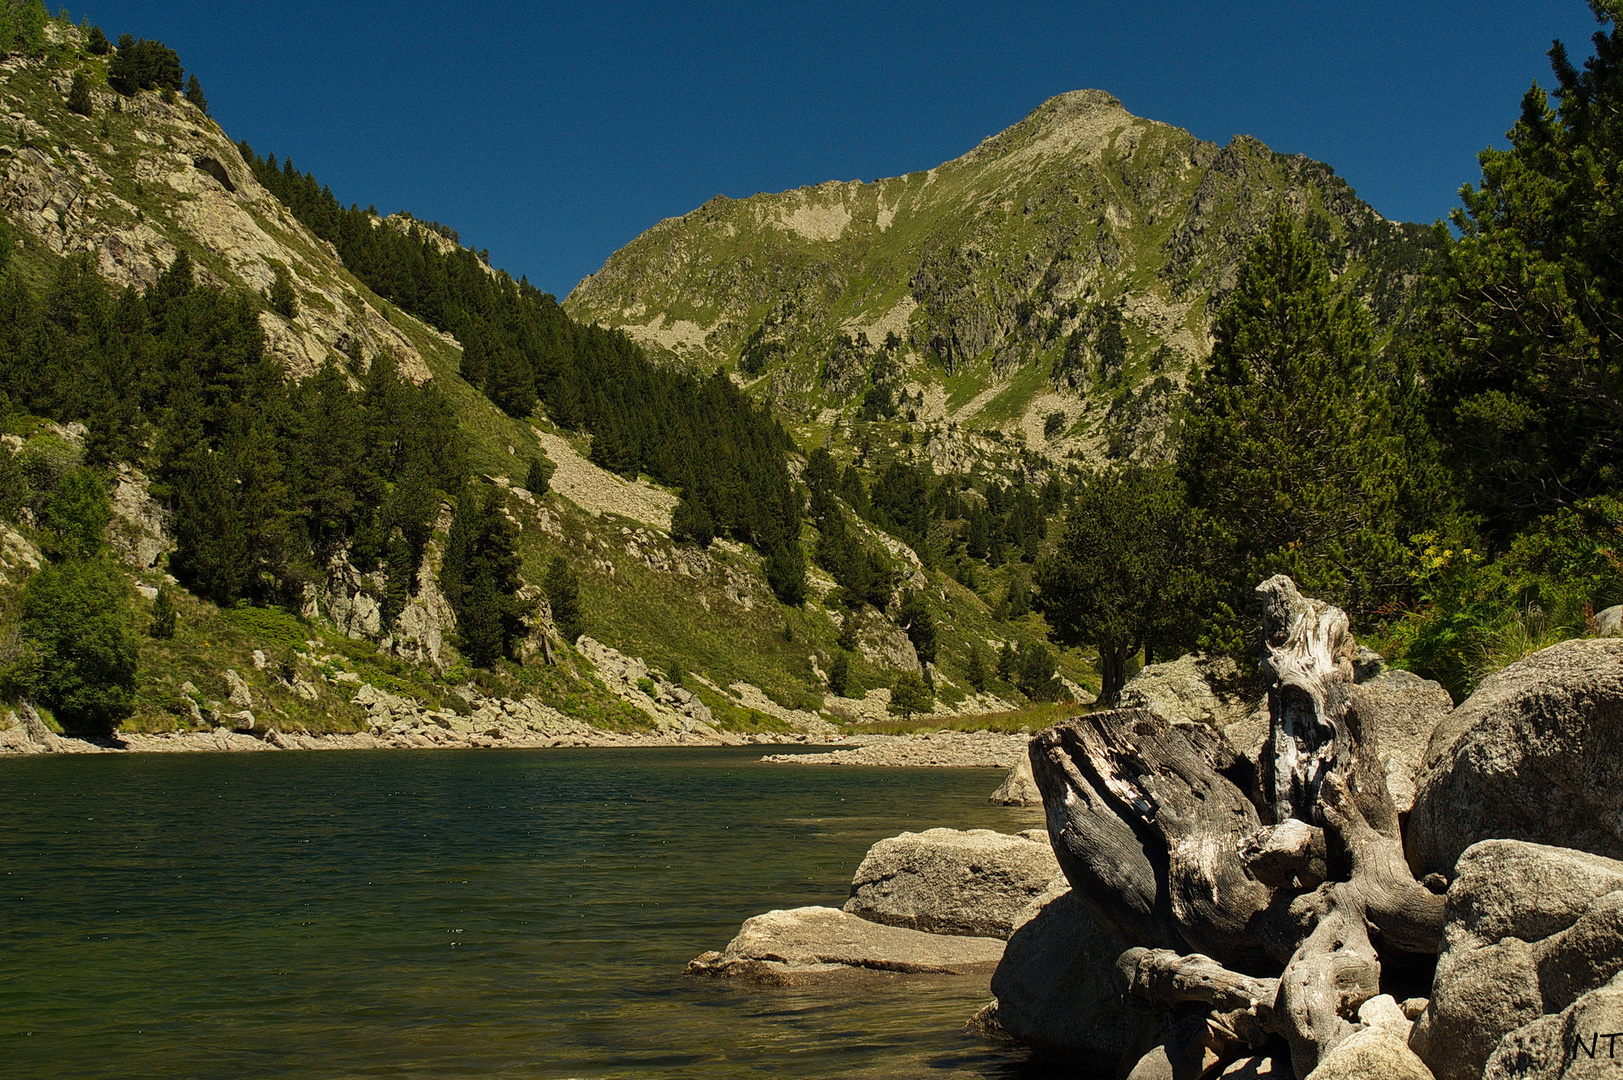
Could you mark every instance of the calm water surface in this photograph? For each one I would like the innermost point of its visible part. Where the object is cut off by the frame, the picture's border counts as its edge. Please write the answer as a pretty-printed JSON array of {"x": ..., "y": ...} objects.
[{"x": 453, "y": 914}]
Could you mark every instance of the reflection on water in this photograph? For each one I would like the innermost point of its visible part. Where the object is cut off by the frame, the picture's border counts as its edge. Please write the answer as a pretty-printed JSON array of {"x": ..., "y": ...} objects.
[{"x": 453, "y": 914}]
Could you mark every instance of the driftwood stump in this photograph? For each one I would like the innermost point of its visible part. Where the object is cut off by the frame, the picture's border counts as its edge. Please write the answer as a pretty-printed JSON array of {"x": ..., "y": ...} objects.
[{"x": 1271, "y": 915}]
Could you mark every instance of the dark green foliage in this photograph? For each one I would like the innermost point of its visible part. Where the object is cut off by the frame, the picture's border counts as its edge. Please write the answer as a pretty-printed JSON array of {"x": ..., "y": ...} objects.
[
  {"x": 163, "y": 615},
  {"x": 143, "y": 65},
  {"x": 915, "y": 619},
  {"x": 266, "y": 480},
  {"x": 975, "y": 672},
  {"x": 691, "y": 521},
  {"x": 76, "y": 516},
  {"x": 1008, "y": 662},
  {"x": 562, "y": 586},
  {"x": 79, "y": 95},
  {"x": 194, "y": 94},
  {"x": 77, "y": 615},
  {"x": 97, "y": 42},
  {"x": 22, "y": 26},
  {"x": 909, "y": 695},
  {"x": 1296, "y": 446},
  {"x": 281, "y": 296},
  {"x": 1053, "y": 424},
  {"x": 1035, "y": 677},
  {"x": 13, "y": 485},
  {"x": 538, "y": 478},
  {"x": 1126, "y": 573},
  {"x": 480, "y": 577},
  {"x": 1524, "y": 351},
  {"x": 839, "y": 675}
]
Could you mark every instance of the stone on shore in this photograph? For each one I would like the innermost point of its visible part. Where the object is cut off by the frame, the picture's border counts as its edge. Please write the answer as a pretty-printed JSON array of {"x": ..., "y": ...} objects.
[
  {"x": 1532, "y": 755},
  {"x": 977, "y": 883},
  {"x": 1056, "y": 991},
  {"x": 1019, "y": 788},
  {"x": 1191, "y": 689},
  {"x": 813, "y": 944},
  {"x": 1400, "y": 710},
  {"x": 947, "y": 749},
  {"x": 1529, "y": 930}
]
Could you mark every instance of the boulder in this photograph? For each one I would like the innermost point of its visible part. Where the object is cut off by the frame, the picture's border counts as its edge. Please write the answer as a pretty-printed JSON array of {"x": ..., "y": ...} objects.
[
  {"x": 1532, "y": 755},
  {"x": 1609, "y": 622},
  {"x": 1399, "y": 711},
  {"x": 1191, "y": 689},
  {"x": 978, "y": 883},
  {"x": 1056, "y": 990},
  {"x": 1019, "y": 788},
  {"x": 1529, "y": 929},
  {"x": 1583, "y": 1040},
  {"x": 816, "y": 943}
]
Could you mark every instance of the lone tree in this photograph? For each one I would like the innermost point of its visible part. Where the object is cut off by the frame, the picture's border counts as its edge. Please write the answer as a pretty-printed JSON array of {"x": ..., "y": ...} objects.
[
  {"x": 77, "y": 616},
  {"x": 1125, "y": 573},
  {"x": 480, "y": 578},
  {"x": 909, "y": 695},
  {"x": 562, "y": 586},
  {"x": 79, "y": 95},
  {"x": 1293, "y": 449}
]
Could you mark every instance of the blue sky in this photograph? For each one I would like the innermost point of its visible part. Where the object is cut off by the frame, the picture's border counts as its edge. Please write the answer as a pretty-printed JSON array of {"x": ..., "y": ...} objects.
[{"x": 552, "y": 134}]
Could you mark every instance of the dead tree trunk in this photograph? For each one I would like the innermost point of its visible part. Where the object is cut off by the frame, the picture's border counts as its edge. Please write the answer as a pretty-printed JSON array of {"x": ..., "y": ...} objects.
[{"x": 1151, "y": 825}]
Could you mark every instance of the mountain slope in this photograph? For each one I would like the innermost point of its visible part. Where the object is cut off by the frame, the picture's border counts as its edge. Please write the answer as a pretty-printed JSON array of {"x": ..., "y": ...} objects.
[{"x": 1060, "y": 266}]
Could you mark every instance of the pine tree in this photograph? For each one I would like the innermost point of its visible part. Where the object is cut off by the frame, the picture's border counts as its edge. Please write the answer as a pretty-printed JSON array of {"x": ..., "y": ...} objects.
[
  {"x": 975, "y": 672},
  {"x": 163, "y": 615},
  {"x": 76, "y": 514},
  {"x": 839, "y": 675},
  {"x": 79, "y": 96},
  {"x": 1289, "y": 447},
  {"x": 915, "y": 619},
  {"x": 562, "y": 587},
  {"x": 97, "y": 42},
  {"x": 1524, "y": 353},
  {"x": 909, "y": 695},
  {"x": 283, "y": 300},
  {"x": 194, "y": 94},
  {"x": 538, "y": 479},
  {"x": 211, "y": 548}
]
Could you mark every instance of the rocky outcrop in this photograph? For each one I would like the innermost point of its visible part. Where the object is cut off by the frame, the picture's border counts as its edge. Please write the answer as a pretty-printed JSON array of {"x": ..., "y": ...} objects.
[
  {"x": 978, "y": 883},
  {"x": 1019, "y": 788},
  {"x": 1056, "y": 990},
  {"x": 1378, "y": 1051},
  {"x": 1532, "y": 755},
  {"x": 1529, "y": 930},
  {"x": 1192, "y": 689},
  {"x": 788, "y": 947},
  {"x": 139, "y": 529},
  {"x": 671, "y": 707}
]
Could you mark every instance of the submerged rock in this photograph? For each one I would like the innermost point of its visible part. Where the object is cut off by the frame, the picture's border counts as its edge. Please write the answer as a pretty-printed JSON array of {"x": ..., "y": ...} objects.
[
  {"x": 789, "y": 947},
  {"x": 1019, "y": 788}
]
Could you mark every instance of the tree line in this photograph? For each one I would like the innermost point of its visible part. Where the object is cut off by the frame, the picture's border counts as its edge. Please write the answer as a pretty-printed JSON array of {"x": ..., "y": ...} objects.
[{"x": 702, "y": 435}]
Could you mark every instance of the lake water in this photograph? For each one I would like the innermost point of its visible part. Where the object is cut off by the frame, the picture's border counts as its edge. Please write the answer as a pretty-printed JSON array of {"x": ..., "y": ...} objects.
[{"x": 453, "y": 914}]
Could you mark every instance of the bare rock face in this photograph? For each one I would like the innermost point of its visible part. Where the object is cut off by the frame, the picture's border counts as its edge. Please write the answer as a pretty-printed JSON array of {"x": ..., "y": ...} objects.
[
  {"x": 1056, "y": 990},
  {"x": 1190, "y": 689},
  {"x": 1581, "y": 1041},
  {"x": 1400, "y": 710},
  {"x": 138, "y": 530},
  {"x": 1609, "y": 622},
  {"x": 1529, "y": 930},
  {"x": 978, "y": 883},
  {"x": 1019, "y": 788},
  {"x": 1532, "y": 755},
  {"x": 817, "y": 943}
]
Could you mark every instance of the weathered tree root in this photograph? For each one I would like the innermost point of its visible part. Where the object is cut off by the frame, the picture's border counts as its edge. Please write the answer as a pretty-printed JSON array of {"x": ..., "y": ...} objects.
[{"x": 1152, "y": 828}]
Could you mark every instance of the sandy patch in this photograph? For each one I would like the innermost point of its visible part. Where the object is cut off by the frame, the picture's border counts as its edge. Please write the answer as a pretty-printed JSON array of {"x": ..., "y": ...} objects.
[
  {"x": 817, "y": 222},
  {"x": 680, "y": 334}
]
